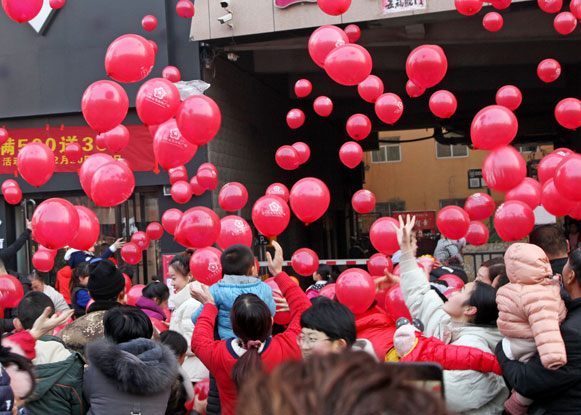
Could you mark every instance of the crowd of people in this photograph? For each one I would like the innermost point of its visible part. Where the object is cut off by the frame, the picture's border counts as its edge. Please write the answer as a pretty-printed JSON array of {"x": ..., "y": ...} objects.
[{"x": 506, "y": 342}]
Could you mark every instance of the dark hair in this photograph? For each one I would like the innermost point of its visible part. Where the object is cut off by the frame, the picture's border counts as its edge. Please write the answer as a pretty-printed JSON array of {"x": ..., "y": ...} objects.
[
  {"x": 325, "y": 272},
  {"x": 237, "y": 260},
  {"x": 551, "y": 240},
  {"x": 175, "y": 341},
  {"x": 155, "y": 290},
  {"x": 251, "y": 320},
  {"x": 128, "y": 270},
  {"x": 350, "y": 383},
  {"x": 180, "y": 263},
  {"x": 495, "y": 267},
  {"x": 502, "y": 279},
  {"x": 32, "y": 306},
  {"x": 575, "y": 264},
  {"x": 81, "y": 271},
  {"x": 332, "y": 318},
  {"x": 484, "y": 299},
  {"x": 124, "y": 323}
]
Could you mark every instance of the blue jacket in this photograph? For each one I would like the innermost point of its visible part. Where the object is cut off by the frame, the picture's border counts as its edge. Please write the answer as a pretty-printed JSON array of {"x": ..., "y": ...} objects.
[{"x": 225, "y": 293}]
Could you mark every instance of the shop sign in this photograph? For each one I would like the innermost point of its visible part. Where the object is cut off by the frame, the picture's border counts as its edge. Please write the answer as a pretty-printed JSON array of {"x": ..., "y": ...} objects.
[
  {"x": 425, "y": 220},
  {"x": 397, "y": 6}
]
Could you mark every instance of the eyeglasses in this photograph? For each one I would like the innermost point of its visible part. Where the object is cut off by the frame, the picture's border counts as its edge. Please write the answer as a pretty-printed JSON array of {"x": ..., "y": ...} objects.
[{"x": 309, "y": 340}]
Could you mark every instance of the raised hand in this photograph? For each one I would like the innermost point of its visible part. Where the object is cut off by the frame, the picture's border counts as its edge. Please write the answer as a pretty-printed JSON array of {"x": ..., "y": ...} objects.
[
  {"x": 203, "y": 294},
  {"x": 405, "y": 235},
  {"x": 275, "y": 264}
]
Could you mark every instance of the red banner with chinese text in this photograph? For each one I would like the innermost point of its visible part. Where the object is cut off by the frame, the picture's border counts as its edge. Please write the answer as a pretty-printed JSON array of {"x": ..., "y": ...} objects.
[{"x": 139, "y": 152}]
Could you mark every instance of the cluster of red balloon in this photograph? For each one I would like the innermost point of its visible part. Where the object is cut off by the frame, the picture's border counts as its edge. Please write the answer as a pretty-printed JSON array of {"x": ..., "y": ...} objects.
[
  {"x": 291, "y": 157},
  {"x": 105, "y": 180}
]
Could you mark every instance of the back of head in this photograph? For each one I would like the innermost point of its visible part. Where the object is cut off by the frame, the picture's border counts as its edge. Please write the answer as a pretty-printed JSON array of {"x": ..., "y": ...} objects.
[
  {"x": 31, "y": 307},
  {"x": 127, "y": 270},
  {"x": 575, "y": 264},
  {"x": 175, "y": 341},
  {"x": 551, "y": 240},
  {"x": 237, "y": 260},
  {"x": 526, "y": 264},
  {"x": 495, "y": 267},
  {"x": 484, "y": 299},
  {"x": 124, "y": 323},
  {"x": 105, "y": 281},
  {"x": 325, "y": 272},
  {"x": 82, "y": 270},
  {"x": 35, "y": 276},
  {"x": 156, "y": 290},
  {"x": 332, "y": 318}
]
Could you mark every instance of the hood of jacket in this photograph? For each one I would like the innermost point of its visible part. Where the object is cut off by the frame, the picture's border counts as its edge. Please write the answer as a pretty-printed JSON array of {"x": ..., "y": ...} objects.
[
  {"x": 138, "y": 367},
  {"x": 151, "y": 308},
  {"x": 527, "y": 264}
]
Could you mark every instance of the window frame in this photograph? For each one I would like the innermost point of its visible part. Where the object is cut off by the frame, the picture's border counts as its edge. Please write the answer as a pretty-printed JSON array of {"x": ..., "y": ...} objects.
[
  {"x": 383, "y": 147},
  {"x": 452, "y": 156}
]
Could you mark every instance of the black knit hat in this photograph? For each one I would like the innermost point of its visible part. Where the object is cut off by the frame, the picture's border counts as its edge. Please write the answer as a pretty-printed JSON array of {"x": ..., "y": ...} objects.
[{"x": 105, "y": 281}]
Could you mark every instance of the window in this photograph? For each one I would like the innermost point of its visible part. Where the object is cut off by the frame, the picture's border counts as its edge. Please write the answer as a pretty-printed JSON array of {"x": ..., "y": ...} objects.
[
  {"x": 387, "y": 153},
  {"x": 527, "y": 148},
  {"x": 452, "y": 202},
  {"x": 447, "y": 151},
  {"x": 387, "y": 208}
]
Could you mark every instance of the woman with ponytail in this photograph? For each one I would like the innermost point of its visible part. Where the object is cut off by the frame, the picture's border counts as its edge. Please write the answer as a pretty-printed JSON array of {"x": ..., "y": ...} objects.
[{"x": 233, "y": 361}]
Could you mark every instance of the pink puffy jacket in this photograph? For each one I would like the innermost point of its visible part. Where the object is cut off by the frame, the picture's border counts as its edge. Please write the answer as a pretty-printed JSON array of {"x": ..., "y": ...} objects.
[{"x": 531, "y": 305}]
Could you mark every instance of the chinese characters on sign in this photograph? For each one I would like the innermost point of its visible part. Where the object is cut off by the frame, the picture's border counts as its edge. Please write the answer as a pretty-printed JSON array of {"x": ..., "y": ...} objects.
[
  {"x": 396, "y": 6},
  {"x": 425, "y": 220}
]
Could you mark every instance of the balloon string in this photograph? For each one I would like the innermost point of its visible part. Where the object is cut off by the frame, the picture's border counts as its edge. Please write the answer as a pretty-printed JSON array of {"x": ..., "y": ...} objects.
[{"x": 156, "y": 169}]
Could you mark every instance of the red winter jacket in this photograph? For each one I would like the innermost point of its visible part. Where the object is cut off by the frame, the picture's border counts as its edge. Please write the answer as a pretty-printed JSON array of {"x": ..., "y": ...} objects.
[
  {"x": 451, "y": 357},
  {"x": 63, "y": 279},
  {"x": 377, "y": 327},
  {"x": 219, "y": 356}
]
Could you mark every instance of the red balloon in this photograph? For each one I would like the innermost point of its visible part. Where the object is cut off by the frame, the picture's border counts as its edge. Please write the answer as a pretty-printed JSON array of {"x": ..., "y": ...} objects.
[
  {"x": 348, "y": 64},
  {"x": 395, "y": 304},
  {"x": 353, "y": 32},
  {"x": 157, "y": 101},
  {"x": 378, "y": 263},
  {"x": 233, "y": 196},
  {"x": 181, "y": 192},
  {"x": 112, "y": 184},
  {"x": 170, "y": 147},
  {"x": 197, "y": 188},
  {"x": 356, "y": 289},
  {"x": 125, "y": 162},
  {"x": 207, "y": 178},
  {"x": 141, "y": 240},
  {"x": 426, "y": 65},
  {"x": 529, "y": 192},
  {"x": 323, "y": 40},
  {"x": 548, "y": 165},
  {"x": 575, "y": 7},
  {"x": 207, "y": 166},
  {"x": 206, "y": 266},
  {"x": 562, "y": 151},
  {"x": 100, "y": 141},
  {"x": 270, "y": 215},
  {"x": 509, "y": 96},
  {"x": 334, "y": 7},
  {"x": 185, "y": 9},
  {"x": 117, "y": 139},
  {"x": 453, "y": 281},
  {"x": 129, "y": 58},
  {"x": 477, "y": 234},
  {"x": 233, "y": 231},
  {"x": 57, "y": 4},
  {"x": 278, "y": 189},
  {"x": 309, "y": 199},
  {"x": 73, "y": 152},
  {"x": 12, "y": 195},
  {"x": 479, "y": 206},
  {"x": 199, "y": 227},
  {"x": 135, "y": 293},
  {"x": 9, "y": 183},
  {"x": 154, "y": 231},
  {"x": 500, "y": 4},
  {"x": 199, "y": 119},
  {"x": 55, "y": 223},
  {"x": 351, "y": 154},
  {"x": 170, "y": 220},
  {"x": 413, "y": 90},
  {"x": 104, "y": 105},
  {"x": 171, "y": 73},
  {"x": 514, "y": 220},
  {"x": 178, "y": 173},
  {"x": 371, "y": 88},
  {"x": 11, "y": 291},
  {"x": 295, "y": 118},
  {"x": 568, "y": 177},
  {"x": 576, "y": 212},
  {"x": 89, "y": 229},
  {"x": 303, "y": 151},
  {"x": 443, "y": 104},
  {"x": 504, "y": 169},
  {"x": 149, "y": 23},
  {"x": 358, "y": 126},
  {"x": 453, "y": 222},
  {"x": 492, "y": 21},
  {"x": 568, "y": 113},
  {"x": 383, "y": 236},
  {"x": 287, "y": 158},
  {"x": 154, "y": 46},
  {"x": 363, "y": 201},
  {"x": 89, "y": 167},
  {"x": 36, "y": 163},
  {"x": 303, "y": 88},
  {"x": 549, "y": 70},
  {"x": 468, "y": 7},
  {"x": 494, "y": 126},
  {"x": 389, "y": 108},
  {"x": 323, "y": 106},
  {"x": 328, "y": 291},
  {"x": 4, "y": 136},
  {"x": 565, "y": 23},
  {"x": 43, "y": 261},
  {"x": 550, "y": 6},
  {"x": 22, "y": 11},
  {"x": 128, "y": 284},
  {"x": 305, "y": 262}
]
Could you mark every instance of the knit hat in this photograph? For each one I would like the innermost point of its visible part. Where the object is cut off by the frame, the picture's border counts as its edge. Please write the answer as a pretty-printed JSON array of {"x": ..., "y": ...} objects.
[{"x": 105, "y": 281}]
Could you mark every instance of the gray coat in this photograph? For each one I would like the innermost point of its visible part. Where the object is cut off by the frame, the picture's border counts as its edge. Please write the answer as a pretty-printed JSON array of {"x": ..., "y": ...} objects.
[{"x": 133, "y": 378}]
